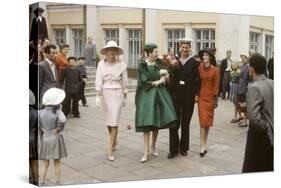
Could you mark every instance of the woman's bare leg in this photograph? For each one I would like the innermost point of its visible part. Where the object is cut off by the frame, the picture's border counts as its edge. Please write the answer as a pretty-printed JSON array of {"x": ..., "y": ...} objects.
[
  {"x": 154, "y": 139},
  {"x": 57, "y": 170}
]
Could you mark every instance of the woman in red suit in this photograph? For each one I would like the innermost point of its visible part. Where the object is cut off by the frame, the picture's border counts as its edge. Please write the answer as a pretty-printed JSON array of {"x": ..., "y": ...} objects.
[{"x": 207, "y": 99}]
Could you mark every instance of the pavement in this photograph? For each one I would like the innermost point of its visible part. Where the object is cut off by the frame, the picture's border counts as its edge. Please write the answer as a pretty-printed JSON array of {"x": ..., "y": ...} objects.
[{"x": 87, "y": 142}]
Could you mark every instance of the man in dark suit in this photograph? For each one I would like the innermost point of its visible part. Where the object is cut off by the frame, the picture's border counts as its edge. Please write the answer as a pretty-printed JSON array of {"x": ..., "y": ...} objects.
[
  {"x": 225, "y": 70},
  {"x": 184, "y": 89},
  {"x": 39, "y": 26},
  {"x": 48, "y": 75},
  {"x": 73, "y": 82}
]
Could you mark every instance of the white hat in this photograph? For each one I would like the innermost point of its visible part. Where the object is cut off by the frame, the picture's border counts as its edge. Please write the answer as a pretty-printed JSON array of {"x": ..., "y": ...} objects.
[
  {"x": 31, "y": 98},
  {"x": 182, "y": 40},
  {"x": 53, "y": 96},
  {"x": 111, "y": 44}
]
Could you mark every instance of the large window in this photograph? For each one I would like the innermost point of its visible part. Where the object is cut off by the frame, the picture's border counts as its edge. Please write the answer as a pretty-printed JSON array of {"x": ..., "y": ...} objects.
[
  {"x": 135, "y": 47},
  {"x": 78, "y": 38},
  {"x": 172, "y": 38},
  {"x": 254, "y": 41},
  {"x": 269, "y": 43},
  {"x": 111, "y": 34},
  {"x": 59, "y": 36},
  {"x": 204, "y": 38}
]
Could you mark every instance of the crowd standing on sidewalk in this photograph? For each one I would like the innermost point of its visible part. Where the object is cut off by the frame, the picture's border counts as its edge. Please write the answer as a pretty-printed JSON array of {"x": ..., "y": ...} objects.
[{"x": 168, "y": 89}]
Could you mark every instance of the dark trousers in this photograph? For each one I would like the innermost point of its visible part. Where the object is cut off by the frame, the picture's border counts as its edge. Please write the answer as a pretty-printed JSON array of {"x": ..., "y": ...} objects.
[
  {"x": 74, "y": 97},
  {"x": 82, "y": 93},
  {"x": 184, "y": 106},
  {"x": 258, "y": 152},
  {"x": 226, "y": 84}
]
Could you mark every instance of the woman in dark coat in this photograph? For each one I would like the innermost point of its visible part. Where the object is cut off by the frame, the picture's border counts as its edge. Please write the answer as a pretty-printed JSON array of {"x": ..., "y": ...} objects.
[{"x": 39, "y": 26}]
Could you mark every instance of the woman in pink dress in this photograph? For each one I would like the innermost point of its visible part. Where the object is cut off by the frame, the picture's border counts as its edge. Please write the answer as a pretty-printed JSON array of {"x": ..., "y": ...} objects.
[{"x": 111, "y": 87}]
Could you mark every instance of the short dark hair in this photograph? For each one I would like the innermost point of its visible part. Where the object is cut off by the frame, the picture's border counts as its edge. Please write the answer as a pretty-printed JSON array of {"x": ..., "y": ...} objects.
[
  {"x": 48, "y": 48},
  {"x": 83, "y": 58},
  {"x": 71, "y": 57},
  {"x": 258, "y": 63},
  {"x": 64, "y": 46},
  {"x": 228, "y": 51},
  {"x": 148, "y": 48}
]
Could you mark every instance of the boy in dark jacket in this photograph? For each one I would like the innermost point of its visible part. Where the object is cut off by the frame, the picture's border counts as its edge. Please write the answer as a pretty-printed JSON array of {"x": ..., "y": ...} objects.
[
  {"x": 73, "y": 81},
  {"x": 83, "y": 72}
]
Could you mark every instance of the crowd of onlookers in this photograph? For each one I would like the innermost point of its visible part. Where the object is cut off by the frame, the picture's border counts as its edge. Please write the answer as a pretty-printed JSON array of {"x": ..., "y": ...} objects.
[{"x": 167, "y": 91}]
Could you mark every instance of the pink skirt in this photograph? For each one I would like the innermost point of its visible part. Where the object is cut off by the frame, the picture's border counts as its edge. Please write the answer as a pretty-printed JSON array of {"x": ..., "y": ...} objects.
[{"x": 112, "y": 102}]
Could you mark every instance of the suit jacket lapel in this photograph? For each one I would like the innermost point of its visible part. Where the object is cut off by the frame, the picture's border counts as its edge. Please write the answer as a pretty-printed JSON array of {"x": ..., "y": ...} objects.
[{"x": 51, "y": 72}]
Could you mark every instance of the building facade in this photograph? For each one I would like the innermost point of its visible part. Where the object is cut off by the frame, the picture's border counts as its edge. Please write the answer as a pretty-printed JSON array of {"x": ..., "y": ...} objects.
[{"x": 132, "y": 27}]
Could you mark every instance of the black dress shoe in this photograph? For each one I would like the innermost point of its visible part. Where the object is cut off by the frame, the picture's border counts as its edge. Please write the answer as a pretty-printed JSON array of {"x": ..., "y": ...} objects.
[
  {"x": 183, "y": 153},
  {"x": 172, "y": 155}
]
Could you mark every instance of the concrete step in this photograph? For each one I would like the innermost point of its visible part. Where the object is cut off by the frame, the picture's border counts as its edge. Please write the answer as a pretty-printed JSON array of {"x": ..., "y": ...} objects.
[
  {"x": 90, "y": 83},
  {"x": 90, "y": 68},
  {"x": 91, "y": 78}
]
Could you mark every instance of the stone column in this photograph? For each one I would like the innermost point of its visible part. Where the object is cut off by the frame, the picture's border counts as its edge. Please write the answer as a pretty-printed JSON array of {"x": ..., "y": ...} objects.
[
  {"x": 262, "y": 43},
  {"x": 123, "y": 43},
  {"x": 189, "y": 34},
  {"x": 151, "y": 26},
  {"x": 91, "y": 22},
  {"x": 232, "y": 33},
  {"x": 69, "y": 39}
]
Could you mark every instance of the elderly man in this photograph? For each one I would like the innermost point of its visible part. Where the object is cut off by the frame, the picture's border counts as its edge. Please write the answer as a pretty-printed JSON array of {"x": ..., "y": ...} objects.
[{"x": 259, "y": 100}]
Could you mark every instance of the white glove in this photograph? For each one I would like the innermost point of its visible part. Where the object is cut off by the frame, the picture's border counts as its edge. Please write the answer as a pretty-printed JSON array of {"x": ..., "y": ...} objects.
[
  {"x": 159, "y": 82},
  {"x": 98, "y": 101},
  {"x": 164, "y": 72}
]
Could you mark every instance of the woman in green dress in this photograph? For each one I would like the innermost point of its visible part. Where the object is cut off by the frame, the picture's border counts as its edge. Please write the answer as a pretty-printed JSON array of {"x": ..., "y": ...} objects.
[{"x": 154, "y": 106}]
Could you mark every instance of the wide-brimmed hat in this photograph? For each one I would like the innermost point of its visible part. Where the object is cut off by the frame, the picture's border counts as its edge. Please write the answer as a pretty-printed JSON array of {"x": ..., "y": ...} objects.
[
  {"x": 31, "y": 98},
  {"x": 111, "y": 44},
  {"x": 53, "y": 96},
  {"x": 208, "y": 51},
  {"x": 39, "y": 9}
]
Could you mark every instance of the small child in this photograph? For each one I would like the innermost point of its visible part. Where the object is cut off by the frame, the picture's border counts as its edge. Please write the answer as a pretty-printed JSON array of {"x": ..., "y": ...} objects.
[
  {"x": 83, "y": 72},
  {"x": 51, "y": 122},
  {"x": 73, "y": 81},
  {"x": 233, "y": 92}
]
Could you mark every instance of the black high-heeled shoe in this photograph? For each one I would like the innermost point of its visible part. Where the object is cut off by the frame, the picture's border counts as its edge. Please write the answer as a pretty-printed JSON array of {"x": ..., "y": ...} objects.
[{"x": 202, "y": 154}]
